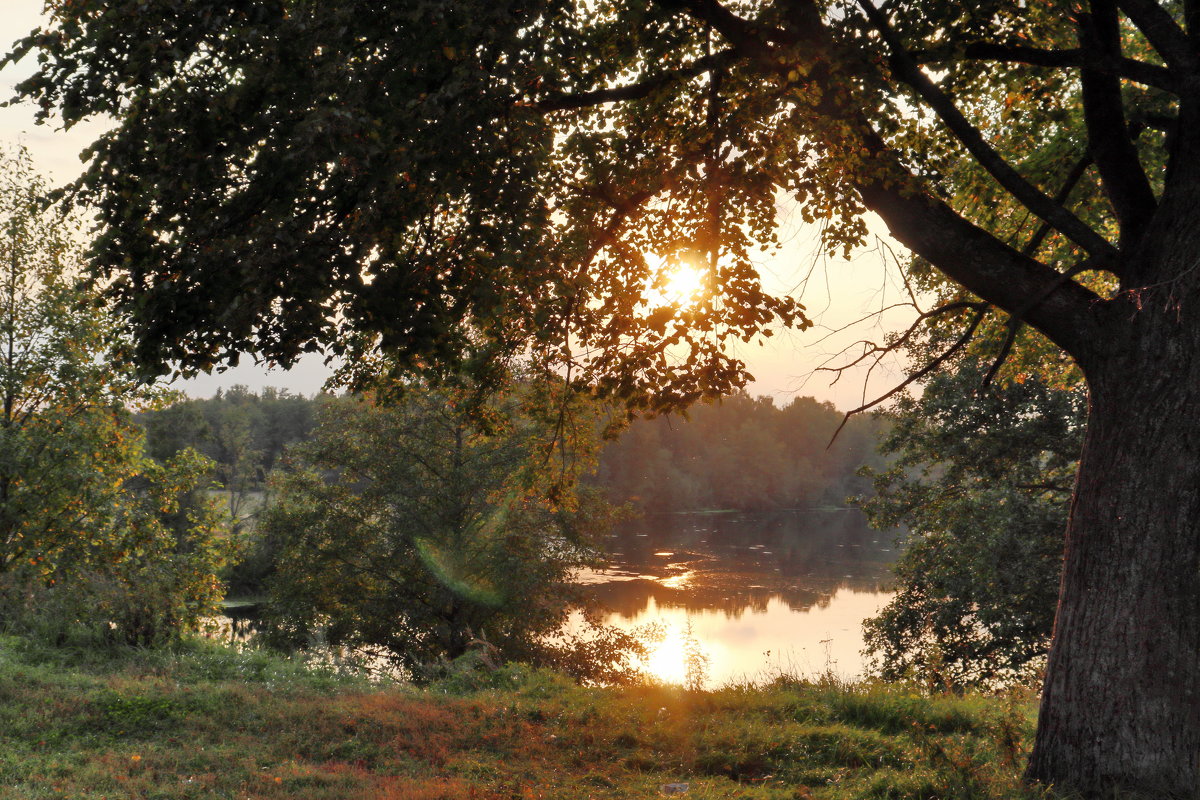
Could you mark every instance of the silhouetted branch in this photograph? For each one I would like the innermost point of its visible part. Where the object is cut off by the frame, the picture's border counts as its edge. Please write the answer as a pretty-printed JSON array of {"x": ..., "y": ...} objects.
[
  {"x": 1023, "y": 191},
  {"x": 1073, "y": 177},
  {"x": 636, "y": 91},
  {"x": 1035, "y": 241},
  {"x": 901, "y": 340},
  {"x": 1109, "y": 140},
  {"x": 958, "y": 344},
  {"x": 1016, "y": 318},
  {"x": 1163, "y": 33},
  {"x": 1124, "y": 67}
]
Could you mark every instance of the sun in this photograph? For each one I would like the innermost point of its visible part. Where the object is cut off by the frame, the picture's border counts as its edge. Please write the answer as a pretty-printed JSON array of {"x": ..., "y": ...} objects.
[
  {"x": 684, "y": 284},
  {"x": 676, "y": 282}
]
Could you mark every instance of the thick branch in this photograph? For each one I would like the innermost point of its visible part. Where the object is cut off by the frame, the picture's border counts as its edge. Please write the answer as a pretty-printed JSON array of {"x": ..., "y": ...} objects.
[
  {"x": 1109, "y": 139},
  {"x": 1064, "y": 193},
  {"x": 970, "y": 137},
  {"x": 746, "y": 37},
  {"x": 966, "y": 253},
  {"x": 1122, "y": 67},
  {"x": 1164, "y": 35},
  {"x": 1061, "y": 308},
  {"x": 636, "y": 91},
  {"x": 1015, "y": 319}
]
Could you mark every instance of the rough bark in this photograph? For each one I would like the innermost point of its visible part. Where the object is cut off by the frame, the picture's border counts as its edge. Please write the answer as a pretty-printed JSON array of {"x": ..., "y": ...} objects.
[{"x": 1120, "y": 709}]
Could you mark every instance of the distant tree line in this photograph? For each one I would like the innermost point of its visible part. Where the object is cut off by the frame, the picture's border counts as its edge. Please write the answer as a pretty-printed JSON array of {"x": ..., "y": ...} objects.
[
  {"x": 742, "y": 453},
  {"x": 243, "y": 432}
]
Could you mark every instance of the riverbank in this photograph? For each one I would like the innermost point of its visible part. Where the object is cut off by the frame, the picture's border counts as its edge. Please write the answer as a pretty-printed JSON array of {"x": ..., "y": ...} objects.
[{"x": 211, "y": 722}]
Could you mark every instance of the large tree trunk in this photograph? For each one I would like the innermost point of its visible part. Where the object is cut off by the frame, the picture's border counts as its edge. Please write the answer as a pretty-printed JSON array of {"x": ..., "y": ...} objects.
[{"x": 1121, "y": 704}]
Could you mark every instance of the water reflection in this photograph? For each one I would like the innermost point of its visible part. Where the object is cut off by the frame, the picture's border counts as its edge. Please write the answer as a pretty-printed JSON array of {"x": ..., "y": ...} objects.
[{"x": 785, "y": 591}]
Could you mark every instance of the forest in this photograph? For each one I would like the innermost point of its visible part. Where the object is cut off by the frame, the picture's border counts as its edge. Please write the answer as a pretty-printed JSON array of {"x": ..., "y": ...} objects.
[{"x": 741, "y": 453}]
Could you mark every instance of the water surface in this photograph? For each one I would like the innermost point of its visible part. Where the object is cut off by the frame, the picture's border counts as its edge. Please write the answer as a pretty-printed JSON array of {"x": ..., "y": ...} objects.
[{"x": 760, "y": 593}]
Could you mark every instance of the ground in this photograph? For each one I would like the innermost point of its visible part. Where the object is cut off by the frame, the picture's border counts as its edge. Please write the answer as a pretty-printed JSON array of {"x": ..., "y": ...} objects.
[{"x": 208, "y": 722}]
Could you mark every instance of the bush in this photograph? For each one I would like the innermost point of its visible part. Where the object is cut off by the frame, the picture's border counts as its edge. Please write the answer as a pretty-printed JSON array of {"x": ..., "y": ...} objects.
[{"x": 151, "y": 579}]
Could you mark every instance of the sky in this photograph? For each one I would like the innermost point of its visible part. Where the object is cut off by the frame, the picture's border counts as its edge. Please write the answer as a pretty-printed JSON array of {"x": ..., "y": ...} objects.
[{"x": 834, "y": 291}]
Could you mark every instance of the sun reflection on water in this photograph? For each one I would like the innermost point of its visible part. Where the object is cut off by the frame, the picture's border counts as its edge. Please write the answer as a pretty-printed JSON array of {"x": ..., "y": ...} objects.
[
  {"x": 666, "y": 660},
  {"x": 759, "y": 595},
  {"x": 758, "y": 644},
  {"x": 680, "y": 581}
]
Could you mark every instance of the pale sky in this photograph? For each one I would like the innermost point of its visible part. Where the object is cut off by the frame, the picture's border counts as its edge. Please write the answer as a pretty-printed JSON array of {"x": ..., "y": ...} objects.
[{"x": 835, "y": 291}]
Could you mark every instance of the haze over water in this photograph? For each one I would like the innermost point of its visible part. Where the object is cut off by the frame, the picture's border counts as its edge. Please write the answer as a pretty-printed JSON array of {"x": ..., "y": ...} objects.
[{"x": 763, "y": 593}]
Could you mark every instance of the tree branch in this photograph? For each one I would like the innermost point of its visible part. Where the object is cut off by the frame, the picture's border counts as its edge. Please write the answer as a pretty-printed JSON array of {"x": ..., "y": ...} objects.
[
  {"x": 970, "y": 137},
  {"x": 746, "y": 37},
  {"x": 958, "y": 344},
  {"x": 1122, "y": 67},
  {"x": 1010, "y": 338},
  {"x": 898, "y": 342},
  {"x": 1122, "y": 177},
  {"x": 1015, "y": 319},
  {"x": 1073, "y": 177},
  {"x": 966, "y": 253},
  {"x": 636, "y": 91},
  {"x": 1164, "y": 35}
]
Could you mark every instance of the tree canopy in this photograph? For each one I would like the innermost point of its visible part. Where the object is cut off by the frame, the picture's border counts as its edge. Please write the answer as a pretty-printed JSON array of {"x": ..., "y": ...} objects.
[
  {"x": 389, "y": 180},
  {"x": 439, "y": 182}
]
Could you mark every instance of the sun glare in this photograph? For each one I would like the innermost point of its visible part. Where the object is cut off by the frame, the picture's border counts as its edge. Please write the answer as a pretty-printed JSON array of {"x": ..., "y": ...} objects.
[
  {"x": 684, "y": 284},
  {"x": 681, "y": 283},
  {"x": 667, "y": 661}
]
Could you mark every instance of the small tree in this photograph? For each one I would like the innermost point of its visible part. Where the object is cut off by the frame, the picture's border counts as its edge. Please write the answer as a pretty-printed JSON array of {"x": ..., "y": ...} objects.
[
  {"x": 427, "y": 525},
  {"x": 91, "y": 530},
  {"x": 982, "y": 480}
]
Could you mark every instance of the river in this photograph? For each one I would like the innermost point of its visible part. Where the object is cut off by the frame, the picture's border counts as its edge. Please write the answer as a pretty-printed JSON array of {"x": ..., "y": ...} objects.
[{"x": 762, "y": 594}]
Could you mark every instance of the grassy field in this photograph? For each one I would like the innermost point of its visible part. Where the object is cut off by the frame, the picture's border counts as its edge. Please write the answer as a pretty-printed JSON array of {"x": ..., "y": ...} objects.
[{"x": 210, "y": 722}]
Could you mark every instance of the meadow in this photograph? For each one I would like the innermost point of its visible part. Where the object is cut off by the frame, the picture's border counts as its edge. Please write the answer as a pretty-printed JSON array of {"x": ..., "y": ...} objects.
[{"x": 201, "y": 720}]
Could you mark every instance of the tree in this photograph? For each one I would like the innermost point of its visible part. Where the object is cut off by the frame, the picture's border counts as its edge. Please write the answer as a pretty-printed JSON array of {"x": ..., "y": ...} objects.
[
  {"x": 243, "y": 433},
  {"x": 91, "y": 531},
  {"x": 423, "y": 527},
  {"x": 438, "y": 174},
  {"x": 982, "y": 484}
]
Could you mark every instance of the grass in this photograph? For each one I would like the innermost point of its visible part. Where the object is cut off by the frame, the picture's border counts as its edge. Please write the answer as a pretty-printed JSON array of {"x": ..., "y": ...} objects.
[{"x": 210, "y": 722}]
